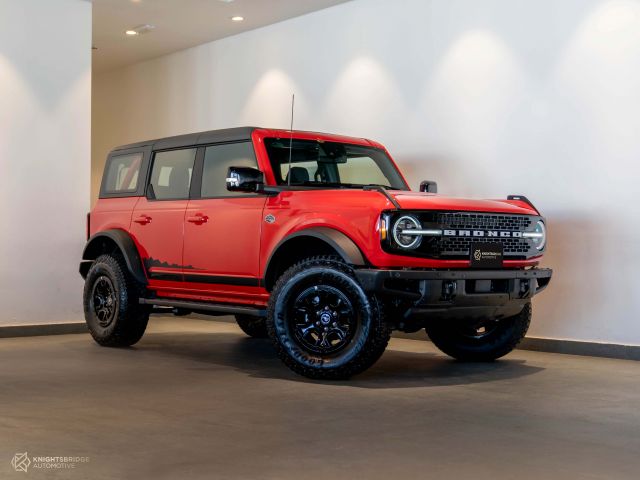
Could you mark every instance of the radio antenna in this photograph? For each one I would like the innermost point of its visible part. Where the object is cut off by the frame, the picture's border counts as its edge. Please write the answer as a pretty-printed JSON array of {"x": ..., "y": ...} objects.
[{"x": 293, "y": 99}]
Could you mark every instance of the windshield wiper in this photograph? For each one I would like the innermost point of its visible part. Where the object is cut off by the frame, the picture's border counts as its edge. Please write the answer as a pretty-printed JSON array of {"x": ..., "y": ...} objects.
[
  {"x": 387, "y": 187},
  {"x": 312, "y": 183}
]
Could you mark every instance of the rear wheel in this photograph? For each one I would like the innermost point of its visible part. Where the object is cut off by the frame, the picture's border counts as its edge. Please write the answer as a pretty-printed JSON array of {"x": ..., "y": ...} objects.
[
  {"x": 322, "y": 323},
  {"x": 478, "y": 341},
  {"x": 111, "y": 308},
  {"x": 255, "y": 327}
]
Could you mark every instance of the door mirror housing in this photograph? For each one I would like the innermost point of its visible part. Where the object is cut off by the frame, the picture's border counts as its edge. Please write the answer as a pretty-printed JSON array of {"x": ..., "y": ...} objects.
[
  {"x": 428, "y": 186},
  {"x": 244, "y": 179}
]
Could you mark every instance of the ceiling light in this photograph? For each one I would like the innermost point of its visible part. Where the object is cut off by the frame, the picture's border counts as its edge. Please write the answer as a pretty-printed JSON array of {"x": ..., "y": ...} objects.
[
  {"x": 237, "y": 18},
  {"x": 139, "y": 30}
]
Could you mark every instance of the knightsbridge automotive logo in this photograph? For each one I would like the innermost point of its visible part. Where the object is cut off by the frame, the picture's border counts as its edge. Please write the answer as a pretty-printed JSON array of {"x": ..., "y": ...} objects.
[{"x": 21, "y": 462}]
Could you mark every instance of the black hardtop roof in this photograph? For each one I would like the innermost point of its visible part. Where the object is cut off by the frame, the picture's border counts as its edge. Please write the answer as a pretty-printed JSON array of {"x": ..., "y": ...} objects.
[{"x": 199, "y": 138}]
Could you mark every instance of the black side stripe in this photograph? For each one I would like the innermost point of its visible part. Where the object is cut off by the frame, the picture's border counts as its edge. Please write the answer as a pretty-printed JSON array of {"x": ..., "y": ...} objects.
[{"x": 213, "y": 279}]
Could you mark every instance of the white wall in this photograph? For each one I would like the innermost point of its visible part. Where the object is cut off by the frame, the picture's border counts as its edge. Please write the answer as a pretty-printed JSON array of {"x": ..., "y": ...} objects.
[
  {"x": 45, "y": 102},
  {"x": 488, "y": 97}
]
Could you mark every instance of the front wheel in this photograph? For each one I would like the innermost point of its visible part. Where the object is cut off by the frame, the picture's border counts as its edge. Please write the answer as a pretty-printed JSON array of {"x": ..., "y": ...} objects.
[
  {"x": 480, "y": 341},
  {"x": 322, "y": 323}
]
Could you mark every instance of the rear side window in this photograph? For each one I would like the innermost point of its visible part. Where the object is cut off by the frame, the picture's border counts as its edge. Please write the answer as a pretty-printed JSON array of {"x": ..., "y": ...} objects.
[
  {"x": 217, "y": 160},
  {"x": 122, "y": 173},
  {"x": 171, "y": 174}
]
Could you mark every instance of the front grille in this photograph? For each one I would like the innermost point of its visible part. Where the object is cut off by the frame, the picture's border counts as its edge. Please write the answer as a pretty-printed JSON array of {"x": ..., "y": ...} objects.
[
  {"x": 457, "y": 247},
  {"x": 460, "y": 246},
  {"x": 486, "y": 221}
]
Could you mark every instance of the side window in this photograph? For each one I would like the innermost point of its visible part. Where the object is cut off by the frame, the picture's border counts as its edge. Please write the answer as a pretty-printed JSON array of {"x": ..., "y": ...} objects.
[
  {"x": 171, "y": 174},
  {"x": 122, "y": 173},
  {"x": 217, "y": 160}
]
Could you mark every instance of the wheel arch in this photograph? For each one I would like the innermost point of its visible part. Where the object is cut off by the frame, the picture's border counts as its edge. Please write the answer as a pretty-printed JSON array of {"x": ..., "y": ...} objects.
[
  {"x": 112, "y": 241},
  {"x": 310, "y": 242}
]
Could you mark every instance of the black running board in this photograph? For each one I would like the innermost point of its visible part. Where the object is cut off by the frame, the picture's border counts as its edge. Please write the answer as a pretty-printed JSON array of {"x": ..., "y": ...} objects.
[{"x": 206, "y": 308}]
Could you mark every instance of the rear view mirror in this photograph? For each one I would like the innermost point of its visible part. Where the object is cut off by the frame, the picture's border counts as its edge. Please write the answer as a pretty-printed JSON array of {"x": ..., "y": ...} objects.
[
  {"x": 333, "y": 153},
  {"x": 244, "y": 179},
  {"x": 429, "y": 186}
]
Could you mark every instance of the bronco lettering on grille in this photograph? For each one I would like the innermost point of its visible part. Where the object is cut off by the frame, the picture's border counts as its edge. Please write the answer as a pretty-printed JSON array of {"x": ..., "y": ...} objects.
[{"x": 482, "y": 233}]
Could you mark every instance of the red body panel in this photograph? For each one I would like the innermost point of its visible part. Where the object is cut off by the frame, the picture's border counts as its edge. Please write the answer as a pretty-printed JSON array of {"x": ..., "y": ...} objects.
[
  {"x": 233, "y": 240},
  {"x": 112, "y": 213},
  {"x": 157, "y": 229}
]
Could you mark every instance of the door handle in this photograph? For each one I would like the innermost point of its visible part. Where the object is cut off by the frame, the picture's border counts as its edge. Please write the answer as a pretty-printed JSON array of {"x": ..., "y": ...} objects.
[
  {"x": 143, "y": 219},
  {"x": 198, "y": 219}
]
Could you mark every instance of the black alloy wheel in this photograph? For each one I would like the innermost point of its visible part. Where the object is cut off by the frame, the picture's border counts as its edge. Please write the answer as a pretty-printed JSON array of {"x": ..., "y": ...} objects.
[
  {"x": 322, "y": 323},
  {"x": 323, "y": 319},
  {"x": 112, "y": 310},
  {"x": 104, "y": 301}
]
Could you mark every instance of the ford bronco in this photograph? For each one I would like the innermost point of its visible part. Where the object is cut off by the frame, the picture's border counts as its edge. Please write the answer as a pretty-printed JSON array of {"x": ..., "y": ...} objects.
[{"x": 313, "y": 240}]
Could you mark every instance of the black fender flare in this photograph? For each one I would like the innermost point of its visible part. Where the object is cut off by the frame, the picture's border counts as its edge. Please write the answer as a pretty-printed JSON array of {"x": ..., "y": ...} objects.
[
  {"x": 346, "y": 248},
  {"x": 123, "y": 242},
  {"x": 338, "y": 241}
]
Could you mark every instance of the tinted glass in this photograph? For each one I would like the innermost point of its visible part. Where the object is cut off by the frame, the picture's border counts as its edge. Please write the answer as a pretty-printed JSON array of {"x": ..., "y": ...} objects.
[
  {"x": 171, "y": 173},
  {"x": 217, "y": 160},
  {"x": 122, "y": 173},
  {"x": 331, "y": 164}
]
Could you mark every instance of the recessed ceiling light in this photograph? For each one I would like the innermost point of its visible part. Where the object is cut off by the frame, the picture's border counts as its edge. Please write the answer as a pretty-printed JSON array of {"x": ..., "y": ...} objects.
[
  {"x": 237, "y": 18},
  {"x": 139, "y": 30}
]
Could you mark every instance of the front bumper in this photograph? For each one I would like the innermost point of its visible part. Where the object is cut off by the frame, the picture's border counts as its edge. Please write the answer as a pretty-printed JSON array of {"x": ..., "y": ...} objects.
[{"x": 447, "y": 294}]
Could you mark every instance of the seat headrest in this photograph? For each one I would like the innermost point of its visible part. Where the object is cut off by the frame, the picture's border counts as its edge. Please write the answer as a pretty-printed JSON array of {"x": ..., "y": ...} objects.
[{"x": 299, "y": 175}]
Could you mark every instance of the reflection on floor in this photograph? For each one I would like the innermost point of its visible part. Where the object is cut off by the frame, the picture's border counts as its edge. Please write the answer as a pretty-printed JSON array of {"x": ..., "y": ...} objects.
[{"x": 198, "y": 399}]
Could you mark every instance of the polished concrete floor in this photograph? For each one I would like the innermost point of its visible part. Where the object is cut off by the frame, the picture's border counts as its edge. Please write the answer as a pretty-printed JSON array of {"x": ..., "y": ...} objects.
[{"x": 197, "y": 399}]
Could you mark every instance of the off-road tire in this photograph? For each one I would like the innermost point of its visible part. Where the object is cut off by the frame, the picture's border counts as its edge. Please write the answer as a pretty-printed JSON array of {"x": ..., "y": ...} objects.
[
  {"x": 129, "y": 318},
  {"x": 497, "y": 343},
  {"x": 255, "y": 327},
  {"x": 368, "y": 339}
]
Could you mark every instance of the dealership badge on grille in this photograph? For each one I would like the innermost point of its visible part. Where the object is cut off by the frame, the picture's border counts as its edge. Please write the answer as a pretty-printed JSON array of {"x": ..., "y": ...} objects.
[{"x": 486, "y": 255}]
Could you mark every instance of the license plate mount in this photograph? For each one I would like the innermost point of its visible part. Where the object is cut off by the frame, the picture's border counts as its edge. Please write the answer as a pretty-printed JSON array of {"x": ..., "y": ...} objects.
[{"x": 486, "y": 255}]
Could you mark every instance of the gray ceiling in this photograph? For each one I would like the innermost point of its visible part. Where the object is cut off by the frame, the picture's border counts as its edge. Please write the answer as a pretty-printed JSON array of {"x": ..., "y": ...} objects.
[{"x": 180, "y": 24}]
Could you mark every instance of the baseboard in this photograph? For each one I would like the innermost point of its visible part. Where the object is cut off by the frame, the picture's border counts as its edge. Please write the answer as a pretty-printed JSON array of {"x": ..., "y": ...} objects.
[
  {"x": 549, "y": 345},
  {"x": 569, "y": 347},
  {"x": 44, "y": 329},
  {"x": 572, "y": 347}
]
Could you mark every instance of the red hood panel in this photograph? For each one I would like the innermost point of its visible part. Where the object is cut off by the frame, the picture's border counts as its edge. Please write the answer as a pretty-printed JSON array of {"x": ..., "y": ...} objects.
[{"x": 431, "y": 201}]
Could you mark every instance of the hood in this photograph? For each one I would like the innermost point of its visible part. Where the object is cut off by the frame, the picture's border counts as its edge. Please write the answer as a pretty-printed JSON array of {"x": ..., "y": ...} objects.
[{"x": 432, "y": 201}]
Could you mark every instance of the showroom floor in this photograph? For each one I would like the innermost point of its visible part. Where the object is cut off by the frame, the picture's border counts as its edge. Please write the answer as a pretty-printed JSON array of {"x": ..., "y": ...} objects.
[{"x": 198, "y": 399}]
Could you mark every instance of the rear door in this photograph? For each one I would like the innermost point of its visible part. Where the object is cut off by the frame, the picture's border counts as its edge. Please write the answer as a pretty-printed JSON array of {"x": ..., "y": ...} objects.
[
  {"x": 158, "y": 219},
  {"x": 222, "y": 228}
]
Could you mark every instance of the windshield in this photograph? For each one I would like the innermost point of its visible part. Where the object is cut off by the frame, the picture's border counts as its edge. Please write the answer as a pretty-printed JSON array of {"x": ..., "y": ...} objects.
[{"x": 329, "y": 164}]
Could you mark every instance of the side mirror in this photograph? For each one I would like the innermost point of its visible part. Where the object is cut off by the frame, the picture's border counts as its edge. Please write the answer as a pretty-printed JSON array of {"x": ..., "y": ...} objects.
[
  {"x": 244, "y": 179},
  {"x": 429, "y": 186}
]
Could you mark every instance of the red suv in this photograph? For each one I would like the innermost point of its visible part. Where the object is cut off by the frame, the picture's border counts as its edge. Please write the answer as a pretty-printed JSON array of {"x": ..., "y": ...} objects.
[{"x": 313, "y": 240}]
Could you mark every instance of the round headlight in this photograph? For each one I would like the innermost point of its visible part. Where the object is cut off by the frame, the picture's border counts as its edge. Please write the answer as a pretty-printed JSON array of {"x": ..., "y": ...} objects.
[
  {"x": 400, "y": 235},
  {"x": 539, "y": 235}
]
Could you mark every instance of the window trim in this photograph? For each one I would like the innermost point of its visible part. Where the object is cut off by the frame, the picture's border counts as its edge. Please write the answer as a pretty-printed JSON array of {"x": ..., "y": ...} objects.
[
  {"x": 142, "y": 174},
  {"x": 196, "y": 179}
]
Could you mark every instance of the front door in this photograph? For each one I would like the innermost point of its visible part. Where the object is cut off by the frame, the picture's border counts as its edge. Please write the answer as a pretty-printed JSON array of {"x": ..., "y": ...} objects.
[
  {"x": 222, "y": 229},
  {"x": 158, "y": 220}
]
